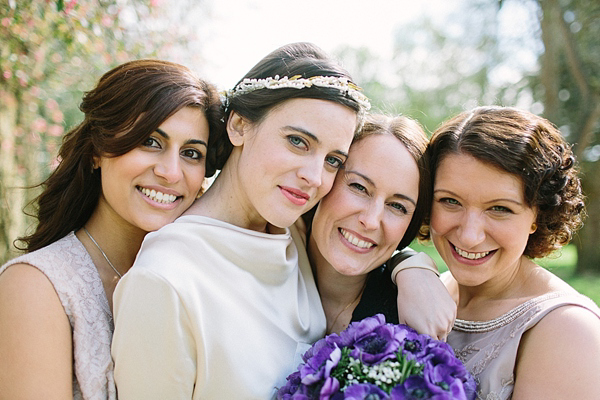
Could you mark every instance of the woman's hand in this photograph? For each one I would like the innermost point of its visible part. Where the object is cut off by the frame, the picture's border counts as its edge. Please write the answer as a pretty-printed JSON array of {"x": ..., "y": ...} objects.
[{"x": 424, "y": 303}]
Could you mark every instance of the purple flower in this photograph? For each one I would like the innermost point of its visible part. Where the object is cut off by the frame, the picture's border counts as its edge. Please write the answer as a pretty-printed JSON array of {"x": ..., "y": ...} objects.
[
  {"x": 291, "y": 386},
  {"x": 371, "y": 359},
  {"x": 413, "y": 345},
  {"x": 414, "y": 387},
  {"x": 330, "y": 387},
  {"x": 441, "y": 354},
  {"x": 358, "y": 330},
  {"x": 445, "y": 374},
  {"x": 363, "y": 391},
  {"x": 320, "y": 365},
  {"x": 377, "y": 346},
  {"x": 444, "y": 384}
]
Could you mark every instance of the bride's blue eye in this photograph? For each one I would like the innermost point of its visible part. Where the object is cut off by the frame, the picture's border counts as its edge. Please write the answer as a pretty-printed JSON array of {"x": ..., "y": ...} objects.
[
  {"x": 334, "y": 162},
  {"x": 297, "y": 141}
]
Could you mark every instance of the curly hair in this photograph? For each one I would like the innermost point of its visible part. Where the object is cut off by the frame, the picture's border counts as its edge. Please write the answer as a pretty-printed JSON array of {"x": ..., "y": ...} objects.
[
  {"x": 530, "y": 148},
  {"x": 120, "y": 113}
]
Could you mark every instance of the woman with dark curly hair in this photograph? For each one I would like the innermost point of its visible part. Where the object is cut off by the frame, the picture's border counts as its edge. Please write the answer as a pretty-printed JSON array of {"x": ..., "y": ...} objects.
[{"x": 506, "y": 191}]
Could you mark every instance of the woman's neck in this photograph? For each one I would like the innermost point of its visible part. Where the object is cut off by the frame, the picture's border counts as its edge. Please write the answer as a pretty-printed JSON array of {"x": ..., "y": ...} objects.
[
  {"x": 225, "y": 200},
  {"x": 337, "y": 291},
  {"x": 498, "y": 295},
  {"x": 112, "y": 246},
  {"x": 120, "y": 242}
]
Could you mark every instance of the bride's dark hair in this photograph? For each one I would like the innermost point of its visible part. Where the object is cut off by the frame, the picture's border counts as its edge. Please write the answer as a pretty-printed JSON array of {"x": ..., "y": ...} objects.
[{"x": 296, "y": 59}]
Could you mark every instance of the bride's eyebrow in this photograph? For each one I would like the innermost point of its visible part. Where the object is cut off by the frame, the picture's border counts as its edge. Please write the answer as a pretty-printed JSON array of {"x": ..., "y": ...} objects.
[{"x": 310, "y": 135}]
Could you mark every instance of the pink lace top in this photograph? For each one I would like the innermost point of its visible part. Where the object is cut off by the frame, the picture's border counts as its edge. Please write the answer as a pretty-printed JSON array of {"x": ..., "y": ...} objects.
[
  {"x": 69, "y": 267},
  {"x": 489, "y": 348}
]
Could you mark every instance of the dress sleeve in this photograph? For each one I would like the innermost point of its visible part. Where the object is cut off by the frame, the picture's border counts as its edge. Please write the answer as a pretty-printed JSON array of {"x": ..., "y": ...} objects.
[
  {"x": 153, "y": 347},
  {"x": 408, "y": 258}
]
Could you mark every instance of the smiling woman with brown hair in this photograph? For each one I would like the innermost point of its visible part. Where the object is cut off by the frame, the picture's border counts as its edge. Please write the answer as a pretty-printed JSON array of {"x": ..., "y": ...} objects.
[
  {"x": 506, "y": 190},
  {"x": 134, "y": 164},
  {"x": 376, "y": 206}
]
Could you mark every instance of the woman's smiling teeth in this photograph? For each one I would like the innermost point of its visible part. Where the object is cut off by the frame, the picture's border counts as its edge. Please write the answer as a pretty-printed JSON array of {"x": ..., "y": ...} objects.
[
  {"x": 355, "y": 241},
  {"x": 159, "y": 197},
  {"x": 471, "y": 256}
]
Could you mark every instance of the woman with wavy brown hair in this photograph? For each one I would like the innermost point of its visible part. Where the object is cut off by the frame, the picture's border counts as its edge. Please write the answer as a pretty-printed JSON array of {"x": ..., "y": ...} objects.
[
  {"x": 505, "y": 192},
  {"x": 135, "y": 163}
]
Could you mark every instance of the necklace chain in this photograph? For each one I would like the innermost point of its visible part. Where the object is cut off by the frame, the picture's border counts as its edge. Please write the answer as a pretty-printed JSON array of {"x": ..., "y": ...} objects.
[
  {"x": 356, "y": 300},
  {"x": 103, "y": 253}
]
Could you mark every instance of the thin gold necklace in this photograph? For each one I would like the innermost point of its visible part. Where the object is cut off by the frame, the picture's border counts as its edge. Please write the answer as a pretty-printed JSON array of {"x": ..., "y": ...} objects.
[
  {"x": 103, "y": 253},
  {"x": 356, "y": 300}
]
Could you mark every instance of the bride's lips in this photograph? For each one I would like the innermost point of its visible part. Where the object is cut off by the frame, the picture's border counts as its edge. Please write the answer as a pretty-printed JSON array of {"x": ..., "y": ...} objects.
[{"x": 296, "y": 196}]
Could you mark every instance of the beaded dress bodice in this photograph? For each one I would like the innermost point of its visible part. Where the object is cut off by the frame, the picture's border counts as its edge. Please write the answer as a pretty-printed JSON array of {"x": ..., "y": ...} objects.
[{"x": 489, "y": 348}]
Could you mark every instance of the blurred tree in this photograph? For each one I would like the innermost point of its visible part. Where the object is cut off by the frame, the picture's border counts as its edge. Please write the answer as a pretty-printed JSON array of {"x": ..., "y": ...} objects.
[
  {"x": 50, "y": 52},
  {"x": 540, "y": 55},
  {"x": 570, "y": 77}
]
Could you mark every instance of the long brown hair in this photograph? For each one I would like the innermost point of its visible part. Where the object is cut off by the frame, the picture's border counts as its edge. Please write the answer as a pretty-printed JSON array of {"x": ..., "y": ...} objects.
[{"x": 135, "y": 97}]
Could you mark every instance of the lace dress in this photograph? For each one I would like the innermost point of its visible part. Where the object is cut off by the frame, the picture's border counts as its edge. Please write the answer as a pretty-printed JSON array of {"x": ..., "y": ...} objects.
[
  {"x": 489, "y": 348},
  {"x": 71, "y": 271}
]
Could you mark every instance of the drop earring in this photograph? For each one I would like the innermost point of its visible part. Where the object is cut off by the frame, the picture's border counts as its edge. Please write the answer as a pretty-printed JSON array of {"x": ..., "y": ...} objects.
[{"x": 533, "y": 228}]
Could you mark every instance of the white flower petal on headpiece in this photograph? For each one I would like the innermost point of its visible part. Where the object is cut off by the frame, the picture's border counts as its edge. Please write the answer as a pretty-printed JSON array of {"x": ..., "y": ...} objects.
[{"x": 296, "y": 82}]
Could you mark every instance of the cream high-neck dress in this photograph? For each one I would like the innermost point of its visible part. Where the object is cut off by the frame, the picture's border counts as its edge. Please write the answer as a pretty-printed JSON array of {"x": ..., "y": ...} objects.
[{"x": 213, "y": 311}]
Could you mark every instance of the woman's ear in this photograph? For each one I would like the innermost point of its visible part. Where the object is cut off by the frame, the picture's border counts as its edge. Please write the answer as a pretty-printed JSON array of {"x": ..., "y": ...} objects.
[{"x": 237, "y": 127}]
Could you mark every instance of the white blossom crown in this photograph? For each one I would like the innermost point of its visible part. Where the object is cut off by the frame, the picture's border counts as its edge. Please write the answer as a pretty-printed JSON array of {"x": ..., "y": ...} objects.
[{"x": 297, "y": 82}]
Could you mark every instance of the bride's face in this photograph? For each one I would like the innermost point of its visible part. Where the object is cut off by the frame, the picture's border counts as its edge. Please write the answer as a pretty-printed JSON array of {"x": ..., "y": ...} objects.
[{"x": 289, "y": 160}]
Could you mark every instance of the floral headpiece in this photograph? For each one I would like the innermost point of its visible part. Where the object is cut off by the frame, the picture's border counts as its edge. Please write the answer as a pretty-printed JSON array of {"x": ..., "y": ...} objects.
[{"x": 297, "y": 82}]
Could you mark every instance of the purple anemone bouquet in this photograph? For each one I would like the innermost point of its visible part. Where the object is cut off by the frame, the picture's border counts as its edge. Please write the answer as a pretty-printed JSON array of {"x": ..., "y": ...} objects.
[{"x": 372, "y": 359}]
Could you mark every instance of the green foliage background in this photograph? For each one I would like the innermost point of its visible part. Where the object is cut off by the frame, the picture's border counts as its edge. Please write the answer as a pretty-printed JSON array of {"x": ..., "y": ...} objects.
[{"x": 50, "y": 53}]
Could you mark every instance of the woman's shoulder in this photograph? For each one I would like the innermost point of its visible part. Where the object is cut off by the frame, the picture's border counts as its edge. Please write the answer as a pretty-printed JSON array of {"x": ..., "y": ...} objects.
[
  {"x": 560, "y": 303},
  {"x": 544, "y": 285},
  {"x": 61, "y": 259},
  {"x": 25, "y": 288},
  {"x": 563, "y": 346},
  {"x": 24, "y": 278},
  {"x": 540, "y": 281},
  {"x": 67, "y": 267}
]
